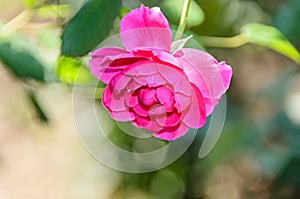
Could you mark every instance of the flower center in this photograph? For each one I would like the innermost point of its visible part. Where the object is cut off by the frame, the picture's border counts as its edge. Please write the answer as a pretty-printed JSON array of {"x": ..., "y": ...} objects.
[
  {"x": 156, "y": 95},
  {"x": 147, "y": 96}
]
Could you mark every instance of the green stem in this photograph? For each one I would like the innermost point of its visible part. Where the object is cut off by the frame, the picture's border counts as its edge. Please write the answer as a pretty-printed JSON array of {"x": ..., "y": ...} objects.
[
  {"x": 183, "y": 19},
  {"x": 224, "y": 42},
  {"x": 37, "y": 107},
  {"x": 16, "y": 23},
  {"x": 59, "y": 20}
]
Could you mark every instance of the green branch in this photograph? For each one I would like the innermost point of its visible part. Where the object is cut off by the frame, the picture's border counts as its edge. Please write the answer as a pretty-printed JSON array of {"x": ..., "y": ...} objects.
[
  {"x": 183, "y": 19},
  {"x": 16, "y": 23},
  {"x": 224, "y": 42}
]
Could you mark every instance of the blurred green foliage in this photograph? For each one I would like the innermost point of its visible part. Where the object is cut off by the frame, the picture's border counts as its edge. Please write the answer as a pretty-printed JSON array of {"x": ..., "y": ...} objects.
[
  {"x": 30, "y": 3},
  {"x": 20, "y": 62},
  {"x": 89, "y": 27},
  {"x": 54, "y": 11},
  {"x": 287, "y": 18},
  {"x": 41, "y": 115},
  {"x": 70, "y": 70},
  {"x": 226, "y": 17},
  {"x": 270, "y": 37},
  {"x": 172, "y": 10}
]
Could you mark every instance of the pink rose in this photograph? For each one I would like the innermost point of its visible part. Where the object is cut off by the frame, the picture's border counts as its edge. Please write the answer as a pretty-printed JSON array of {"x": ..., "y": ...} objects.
[{"x": 164, "y": 93}]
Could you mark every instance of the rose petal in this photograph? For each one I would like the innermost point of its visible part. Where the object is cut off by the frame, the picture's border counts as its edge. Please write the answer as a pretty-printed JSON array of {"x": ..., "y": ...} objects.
[
  {"x": 195, "y": 115},
  {"x": 131, "y": 99},
  {"x": 133, "y": 86},
  {"x": 147, "y": 123},
  {"x": 106, "y": 98},
  {"x": 209, "y": 76},
  {"x": 172, "y": 133},
  {"x": 181, "y": 102},
  {"x": 122, "y": 116},
  {"x": 165, "y": 58},
  {"x": 153, "y": 127},
  {"x": 176, "y": 78},
  {"x": 142, "y": 69},
  {"x": 107, "y": 62},
  {"x": 145, "y": 28},
  {"x": 150, "y": 80},
  {"x": 111, "y": 53},
  {"x": 141, "y": 110},
  {"x": 147, "y": 96},
  {"x": 118, "y": 104},
  {"x": 157, "y": 109},
  {"x": 158, "y": 56},
  {"x": 164, "y": 135},
  {"x": 226, "y": 73},
  {"x": 112, "y": 102},
  {"x": 100, "y": 61},
  {"x": 118, "y": 83},
  {"x": 145, "y": 73},
  {"x": 142, "y": 121},
  {"x": 181, "y": 131},
  {"x": 165, "y": 97},
  {"x": 170, "y": 119}
]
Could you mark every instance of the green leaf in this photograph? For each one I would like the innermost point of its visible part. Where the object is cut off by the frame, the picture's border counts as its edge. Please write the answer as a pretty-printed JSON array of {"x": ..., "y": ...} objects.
[
  {"x": 89, "y": 26},
  {"x": 192, "y": 42},
  {"x": 270, "y": 37},
  {"x": 172, "y": 9},
  {"x": 54, "y": 11},
  {"x": 179, "y": 44},
  {"x": 70, "y": 70},
  {"x": 124, "y": 11},
  {"x": 21, "y": 63}
]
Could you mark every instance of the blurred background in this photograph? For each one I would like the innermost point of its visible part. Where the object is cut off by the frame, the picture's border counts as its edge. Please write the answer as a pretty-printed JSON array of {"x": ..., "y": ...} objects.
[{"x": 41, "y": 156}]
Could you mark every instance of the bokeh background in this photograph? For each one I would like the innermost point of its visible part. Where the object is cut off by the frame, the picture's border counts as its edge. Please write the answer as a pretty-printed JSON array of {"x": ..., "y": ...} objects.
[{"x": 257, "y": 155}]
